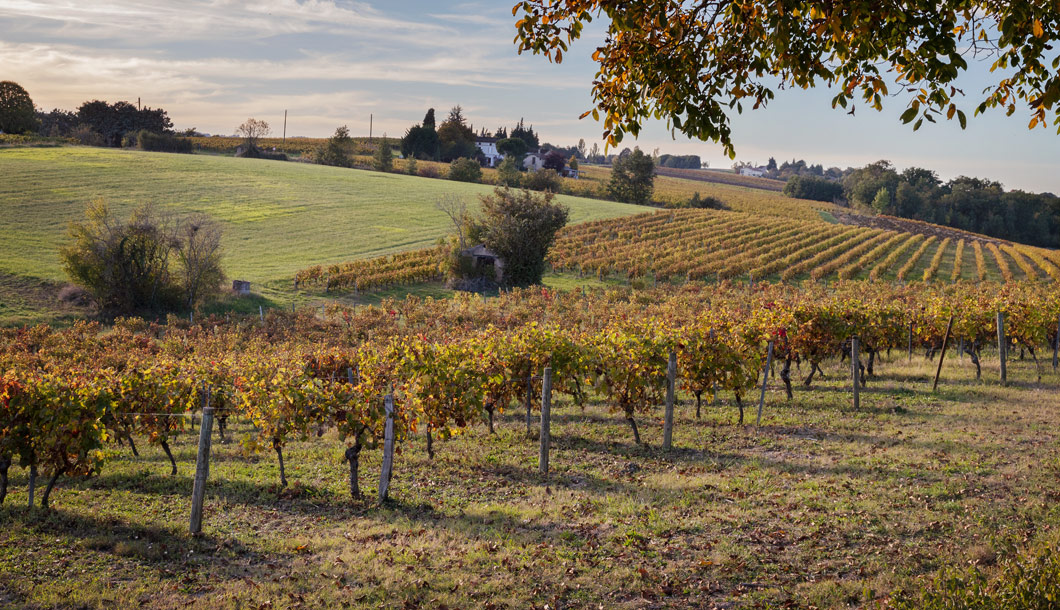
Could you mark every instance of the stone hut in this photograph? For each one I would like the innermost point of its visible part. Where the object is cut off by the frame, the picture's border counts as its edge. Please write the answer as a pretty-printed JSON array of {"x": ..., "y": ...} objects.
[{"x": 483, "y": 259}]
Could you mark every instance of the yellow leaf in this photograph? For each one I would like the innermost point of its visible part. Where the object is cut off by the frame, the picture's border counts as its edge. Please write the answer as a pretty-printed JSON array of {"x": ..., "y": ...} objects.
[{"x": 1037, "y": 28}]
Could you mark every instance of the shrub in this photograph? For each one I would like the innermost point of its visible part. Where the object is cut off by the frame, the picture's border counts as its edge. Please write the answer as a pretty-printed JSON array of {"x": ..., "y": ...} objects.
[
  {"x": 429, "y": 171},
  {"x": 160, "y": 142},
  {"x": 410, "y": 166},
  {"x": 86, "y": 136},
  {"x": 383, "y": 159},
  {"x": 465, "y": 170},
  {"x": 75, "y": 295},
  {"x": 338, "y": 149},
  {"x": 545, "y": 180},
  {"x": 555, "y": 161},
  {"x": 125, "y": 264},
  {"x": 708, "y": 202},
  {"x": 508, "y": 173},
  {"x": 245, "y": 151},
  {"x": 519, "y": 227}
]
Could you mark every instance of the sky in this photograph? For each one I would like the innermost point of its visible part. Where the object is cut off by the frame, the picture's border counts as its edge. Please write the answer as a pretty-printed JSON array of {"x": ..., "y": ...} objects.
[{"x": 214, "y": 63}]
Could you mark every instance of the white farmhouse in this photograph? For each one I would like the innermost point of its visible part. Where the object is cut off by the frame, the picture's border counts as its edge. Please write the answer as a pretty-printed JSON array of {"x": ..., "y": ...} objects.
[
  {"x": 534, "y": 161},
  {"x": 757, "y": 172},
  {"x": 488, "y": 146}
]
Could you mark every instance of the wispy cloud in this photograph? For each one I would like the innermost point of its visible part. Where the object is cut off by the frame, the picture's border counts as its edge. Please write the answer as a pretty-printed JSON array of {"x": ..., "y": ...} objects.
[{"x": 148, "y": 22}]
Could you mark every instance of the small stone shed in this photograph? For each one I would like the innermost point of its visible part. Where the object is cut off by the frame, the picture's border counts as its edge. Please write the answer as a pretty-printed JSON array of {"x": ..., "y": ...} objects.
[{"x": 483, "y": 258}]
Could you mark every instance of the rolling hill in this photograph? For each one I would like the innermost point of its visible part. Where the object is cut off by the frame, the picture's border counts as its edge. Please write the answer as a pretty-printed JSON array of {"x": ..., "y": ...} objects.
[
  {"x": 278, "y": 217},
  {"x": 281, "y": 218}
]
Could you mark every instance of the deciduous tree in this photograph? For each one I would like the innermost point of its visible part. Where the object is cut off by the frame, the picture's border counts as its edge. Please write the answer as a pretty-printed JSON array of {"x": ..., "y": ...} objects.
[
  {"x": 253, "y": 130},
  {"x": 17, "y": 114},
  {"x": 554, "y": 161},
  {"x": 520, "y": 226},
  {"x": 632, "y": 178},
  {"x": 695, "y": 63}
]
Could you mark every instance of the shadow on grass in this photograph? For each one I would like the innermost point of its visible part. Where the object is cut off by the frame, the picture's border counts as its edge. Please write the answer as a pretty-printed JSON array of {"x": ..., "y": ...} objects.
[
  {"x": 813, "y": 434},
  {"x": 489, "y": 526},
  {"x": 296, "y": 498},
  {"x": 168, "y": 550}
]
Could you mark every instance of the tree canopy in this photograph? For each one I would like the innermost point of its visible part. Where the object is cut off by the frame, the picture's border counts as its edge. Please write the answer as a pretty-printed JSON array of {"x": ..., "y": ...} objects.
[
  {"x": 694, "y": 63},
  {"x": 113, "y": 121},
  {"x": 632, "y": 177},
  {"x": 520, "y": 226},
  {"x": 17, "y": 114},
  {"x": 455, "y": 138}
]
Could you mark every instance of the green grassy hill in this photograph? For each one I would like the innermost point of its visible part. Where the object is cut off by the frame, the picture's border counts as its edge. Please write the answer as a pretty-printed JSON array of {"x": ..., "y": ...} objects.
[{"x": 278, "y": 217}]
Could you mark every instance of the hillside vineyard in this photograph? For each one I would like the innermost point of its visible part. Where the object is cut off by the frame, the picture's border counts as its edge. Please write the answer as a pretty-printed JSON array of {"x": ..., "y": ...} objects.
[
  {"x": 691, "y": 245},
  {"x": 450, "y": 363}
]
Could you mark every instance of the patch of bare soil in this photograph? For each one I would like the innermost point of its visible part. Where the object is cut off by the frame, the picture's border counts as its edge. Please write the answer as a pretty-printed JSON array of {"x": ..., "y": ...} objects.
[{"x": 890, "y": 223}]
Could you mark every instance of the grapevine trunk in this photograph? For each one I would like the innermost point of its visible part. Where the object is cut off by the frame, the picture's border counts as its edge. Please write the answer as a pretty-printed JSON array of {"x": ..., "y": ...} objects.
[
  {"x": 279, "y": 455},
  {"x": 5, "y": 464},
  {"x": 172, "y": 462},
  {"x": 353, "y": 457},
  {"x": 48, "y": 488}
]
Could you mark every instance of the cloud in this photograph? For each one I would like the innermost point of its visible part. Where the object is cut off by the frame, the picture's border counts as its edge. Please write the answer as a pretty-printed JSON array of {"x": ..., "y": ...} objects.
[{"x": 149, "y": 22}]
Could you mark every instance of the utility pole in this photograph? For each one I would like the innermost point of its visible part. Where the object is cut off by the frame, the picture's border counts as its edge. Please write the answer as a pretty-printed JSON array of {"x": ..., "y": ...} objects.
[
  {"x": 283, "y": 143},
  {"x": 138, "y": 103},
  {"x": 371, "y": 118}
]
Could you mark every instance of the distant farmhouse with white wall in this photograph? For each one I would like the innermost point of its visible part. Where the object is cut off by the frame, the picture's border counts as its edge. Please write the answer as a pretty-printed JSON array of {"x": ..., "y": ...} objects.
[
  {"x": 534, "y": 161},
  {"x": 757, "y": 172},
  {"x": 488, "y": 146}
]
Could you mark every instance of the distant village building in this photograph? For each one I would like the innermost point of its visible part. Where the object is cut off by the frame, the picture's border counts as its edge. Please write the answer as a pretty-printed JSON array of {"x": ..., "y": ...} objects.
[
  {"x": 757, "y": 172},
  {"x": 483, "y": 259},
  {"x": 240, "y": 287},
  {"x": 534, "y": 161},
  {"x": 488, "y": 146}
]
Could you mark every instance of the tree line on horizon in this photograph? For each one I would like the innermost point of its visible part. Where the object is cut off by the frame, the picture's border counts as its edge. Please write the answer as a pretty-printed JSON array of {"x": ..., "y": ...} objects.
[{"x": 978, "y": 205}]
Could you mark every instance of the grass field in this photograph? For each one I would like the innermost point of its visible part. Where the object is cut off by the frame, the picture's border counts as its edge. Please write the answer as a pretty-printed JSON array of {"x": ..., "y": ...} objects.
[
  {"x": 822, "y": 507},
  {"x": 278, "y": 217}
]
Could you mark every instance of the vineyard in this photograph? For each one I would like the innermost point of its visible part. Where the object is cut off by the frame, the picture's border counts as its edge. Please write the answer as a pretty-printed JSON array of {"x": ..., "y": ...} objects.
[
  {"x": 292, "y": 146},
  {"x": 707, "y": 245},
  {"x": 704, "y": 244},
  {"x": 448, "y": 363},
  {"x": 306, "y": 390},
  {"x": 411, "y": 267}
]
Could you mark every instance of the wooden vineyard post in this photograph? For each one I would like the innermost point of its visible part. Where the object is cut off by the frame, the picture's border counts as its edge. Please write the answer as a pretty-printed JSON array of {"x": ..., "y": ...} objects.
[
  {"x": 942, "y": 356},
  {"x": 1056, "y": 343},
  {"x": 765, "y": 380},
  {"x": 855, "y": 371},
  {"x": 1002, "y": 348},
  {"x": 529, "y": 388},
  {"x": 388, "y": 449},
  {"x": 671, "y": 382},
  {"x": 546, "y": 420},
  {"x": 714, "y": 388},
  {"x": 202, "y": 470},
  {"x": 910, "y": 342},
  {"x": 261, "y": 314}
]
